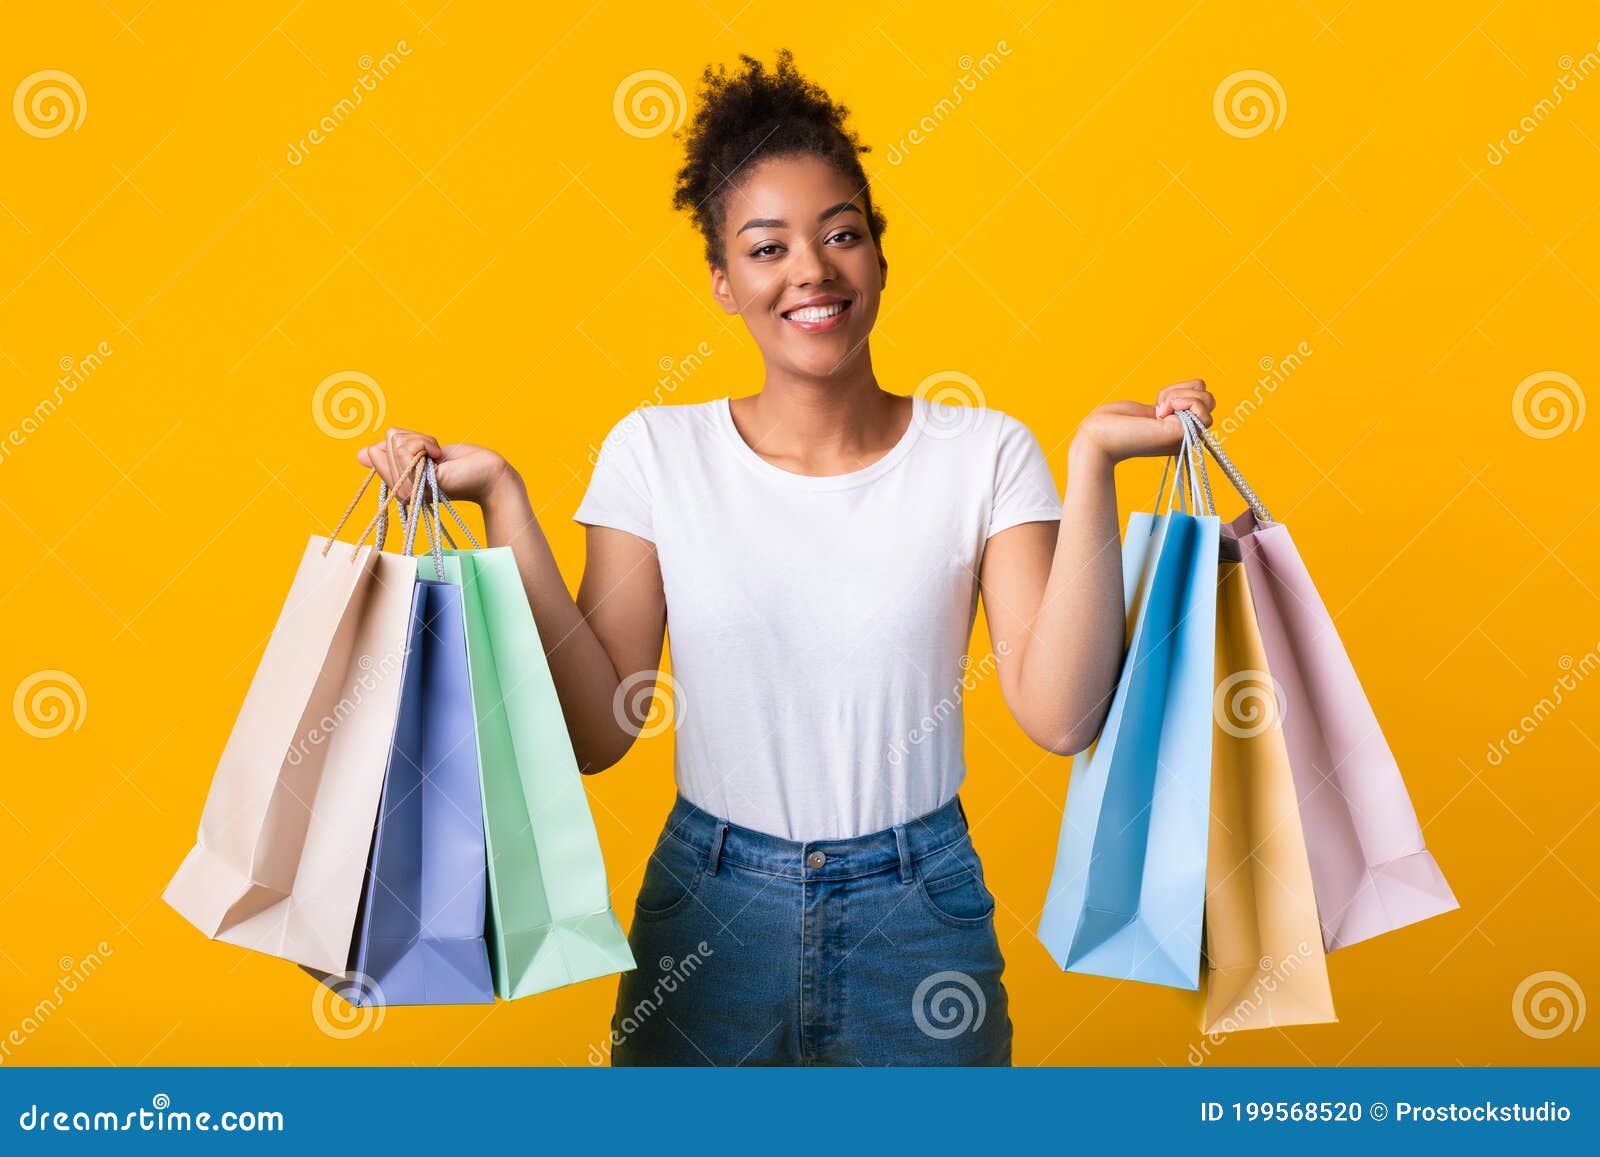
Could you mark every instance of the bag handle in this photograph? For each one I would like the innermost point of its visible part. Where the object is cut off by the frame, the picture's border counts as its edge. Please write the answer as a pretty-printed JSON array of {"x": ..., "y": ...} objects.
[
  {"x": 1204, "y": 439},
  {"x": 427, "y": 498},
  {"x": 440, "y": 499},
  {"x": 427, "y": 512},
  {"x": 1196, "y": 490},
  {"x": 378, "y": 526}
]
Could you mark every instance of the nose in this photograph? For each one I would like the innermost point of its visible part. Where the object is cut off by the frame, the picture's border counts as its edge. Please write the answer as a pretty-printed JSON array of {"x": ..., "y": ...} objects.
[{"x": 811, "y": 263}]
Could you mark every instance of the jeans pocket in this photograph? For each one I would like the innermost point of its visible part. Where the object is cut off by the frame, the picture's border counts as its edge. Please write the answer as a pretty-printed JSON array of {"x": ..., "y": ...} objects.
[
  {"x": 959, "y": 898},
  {"x": 670, "y": 879}
]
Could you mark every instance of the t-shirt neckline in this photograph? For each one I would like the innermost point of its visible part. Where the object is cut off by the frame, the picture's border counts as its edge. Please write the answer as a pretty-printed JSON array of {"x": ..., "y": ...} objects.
[{"x": 746, "y": 453}]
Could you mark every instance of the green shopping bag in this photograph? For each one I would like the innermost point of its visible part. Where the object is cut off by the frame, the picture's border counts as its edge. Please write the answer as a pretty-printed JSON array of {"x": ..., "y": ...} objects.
[{"x": 550, "y": 916}]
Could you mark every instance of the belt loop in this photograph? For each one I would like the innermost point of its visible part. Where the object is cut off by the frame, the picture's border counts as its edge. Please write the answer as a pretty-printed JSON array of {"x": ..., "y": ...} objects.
[
  {"x": 714, "y": 857},
  {"x": 903, "y": 845}
]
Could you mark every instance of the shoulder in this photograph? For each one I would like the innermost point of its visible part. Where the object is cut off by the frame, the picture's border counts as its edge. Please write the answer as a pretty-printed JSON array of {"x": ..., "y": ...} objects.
[{"x": 976, "y": 430}]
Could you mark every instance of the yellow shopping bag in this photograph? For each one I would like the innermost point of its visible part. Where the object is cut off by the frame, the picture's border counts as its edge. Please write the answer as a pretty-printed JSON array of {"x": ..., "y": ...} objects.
[{"x": 1264, "y": 962}]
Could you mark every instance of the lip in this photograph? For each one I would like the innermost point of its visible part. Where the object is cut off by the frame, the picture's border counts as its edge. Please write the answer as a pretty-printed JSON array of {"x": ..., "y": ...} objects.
[{"x": 824, "y": 326}]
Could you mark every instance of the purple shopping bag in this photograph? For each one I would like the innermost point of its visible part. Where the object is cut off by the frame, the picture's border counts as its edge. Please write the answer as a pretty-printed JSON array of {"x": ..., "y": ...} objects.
[
  {"x": 420, "y": 933},
  {"x": 1370, "y": 869}
]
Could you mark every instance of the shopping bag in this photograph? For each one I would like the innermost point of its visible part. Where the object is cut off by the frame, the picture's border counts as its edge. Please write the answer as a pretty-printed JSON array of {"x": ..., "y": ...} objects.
[
  {"x": 1264, "y": 962},
  {"x": 281, "y": 853},
  {"x": 551, "y": 921},
  {"x": 1128, "y": 888},
  {"x": 1370, "y": 867},
  {"x": 421, "y": 933}
]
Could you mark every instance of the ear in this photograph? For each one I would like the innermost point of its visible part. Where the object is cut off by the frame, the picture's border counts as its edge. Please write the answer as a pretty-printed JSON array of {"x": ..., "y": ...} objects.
[
  {"x": 883, "y": 271},
  {"x": 721, "y": 291}
]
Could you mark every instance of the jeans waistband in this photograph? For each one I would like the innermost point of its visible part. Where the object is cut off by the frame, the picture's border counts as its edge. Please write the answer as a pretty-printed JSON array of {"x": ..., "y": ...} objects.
[{"x": 842, "y": 859}]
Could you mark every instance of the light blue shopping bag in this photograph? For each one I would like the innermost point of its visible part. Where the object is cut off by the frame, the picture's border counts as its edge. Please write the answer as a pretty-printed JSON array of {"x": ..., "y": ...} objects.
[{"x": 1128, "y": 889}]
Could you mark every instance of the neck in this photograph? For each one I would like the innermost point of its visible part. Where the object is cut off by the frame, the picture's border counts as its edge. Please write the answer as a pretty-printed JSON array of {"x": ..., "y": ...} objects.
[{"x": 821, "y": 425}]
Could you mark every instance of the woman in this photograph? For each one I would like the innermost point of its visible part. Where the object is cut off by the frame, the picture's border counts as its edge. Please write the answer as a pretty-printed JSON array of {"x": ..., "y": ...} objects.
[{"x": 819, "y": 547}]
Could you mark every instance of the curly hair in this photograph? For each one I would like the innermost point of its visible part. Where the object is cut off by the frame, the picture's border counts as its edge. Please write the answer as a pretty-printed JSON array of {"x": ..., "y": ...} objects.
[{"x": 752, "y": 116}]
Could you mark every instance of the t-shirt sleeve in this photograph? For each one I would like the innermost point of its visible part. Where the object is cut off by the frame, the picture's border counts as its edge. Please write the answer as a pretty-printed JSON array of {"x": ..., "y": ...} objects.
[
  {"x": 1024, "y": 490},
  {"x": 619, "y": 488}
]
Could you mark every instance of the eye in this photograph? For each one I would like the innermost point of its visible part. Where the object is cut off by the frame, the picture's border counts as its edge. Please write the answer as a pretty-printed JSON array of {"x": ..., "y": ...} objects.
[
  {"x": 760, "y": 251},
  {"x": 850, "y": 233}
]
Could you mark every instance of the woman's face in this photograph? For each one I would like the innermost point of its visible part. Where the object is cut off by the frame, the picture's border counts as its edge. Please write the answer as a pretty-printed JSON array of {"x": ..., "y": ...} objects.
[{"x": 802, "y": 268}]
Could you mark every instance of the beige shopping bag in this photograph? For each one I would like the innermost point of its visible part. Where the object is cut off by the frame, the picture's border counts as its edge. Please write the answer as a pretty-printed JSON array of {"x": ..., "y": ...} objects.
[
  {"x": 1263, "y": 944},
  {"x": 282, "y": 850}
]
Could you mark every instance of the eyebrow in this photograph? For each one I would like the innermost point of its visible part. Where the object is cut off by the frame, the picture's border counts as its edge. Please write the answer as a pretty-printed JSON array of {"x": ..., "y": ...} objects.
[{"x": 777, "y": 223}]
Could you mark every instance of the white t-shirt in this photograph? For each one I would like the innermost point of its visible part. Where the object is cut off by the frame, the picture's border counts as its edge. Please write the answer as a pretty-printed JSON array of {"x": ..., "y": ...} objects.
[{"x": 818, "y": 627}]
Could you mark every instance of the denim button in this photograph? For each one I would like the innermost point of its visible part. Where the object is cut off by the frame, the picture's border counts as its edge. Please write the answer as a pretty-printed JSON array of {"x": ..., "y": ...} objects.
[{"x": 816, "y": 859}]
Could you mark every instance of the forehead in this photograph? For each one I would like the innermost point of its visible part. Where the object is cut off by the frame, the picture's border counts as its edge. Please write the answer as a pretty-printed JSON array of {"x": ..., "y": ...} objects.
[{"x": 792, "y": 189}]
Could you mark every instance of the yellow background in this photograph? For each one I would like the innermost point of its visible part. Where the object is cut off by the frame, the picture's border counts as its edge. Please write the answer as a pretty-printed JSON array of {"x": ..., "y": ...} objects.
[{"x": 483, "y": 239}]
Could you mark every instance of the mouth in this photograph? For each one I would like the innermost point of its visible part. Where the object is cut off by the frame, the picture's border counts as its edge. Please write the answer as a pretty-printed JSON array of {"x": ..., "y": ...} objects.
[{"x": 819, "y": 318}]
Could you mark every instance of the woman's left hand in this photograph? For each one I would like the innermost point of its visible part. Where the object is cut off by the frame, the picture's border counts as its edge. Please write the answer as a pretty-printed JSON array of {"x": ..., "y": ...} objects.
[{"x": 1120, "y": 430}]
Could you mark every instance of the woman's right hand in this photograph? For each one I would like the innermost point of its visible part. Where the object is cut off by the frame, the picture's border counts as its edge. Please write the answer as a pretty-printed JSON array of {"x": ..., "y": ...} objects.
[{"x": 468, "y": 472}]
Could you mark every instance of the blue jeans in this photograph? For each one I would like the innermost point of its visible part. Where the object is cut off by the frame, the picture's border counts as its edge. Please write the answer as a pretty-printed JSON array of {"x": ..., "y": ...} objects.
[{"x": 875, "y": 950}]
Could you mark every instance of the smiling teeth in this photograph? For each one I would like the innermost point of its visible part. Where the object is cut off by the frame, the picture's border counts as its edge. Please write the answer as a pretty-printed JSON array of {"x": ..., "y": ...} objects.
[{"x": 816, "y": 313}]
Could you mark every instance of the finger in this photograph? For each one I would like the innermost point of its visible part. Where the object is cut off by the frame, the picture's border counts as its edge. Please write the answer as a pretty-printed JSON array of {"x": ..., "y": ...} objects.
[
  {"x": 405, "y": 448},
  {"x": 376, "y": 457},
  {"x": 1196, "y": 400},
  {"x": 1166, "y": 398}
]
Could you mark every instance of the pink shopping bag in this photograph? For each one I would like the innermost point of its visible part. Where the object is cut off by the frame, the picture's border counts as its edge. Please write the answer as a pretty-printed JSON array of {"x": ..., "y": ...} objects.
[{"x": 1370, "y": 869}]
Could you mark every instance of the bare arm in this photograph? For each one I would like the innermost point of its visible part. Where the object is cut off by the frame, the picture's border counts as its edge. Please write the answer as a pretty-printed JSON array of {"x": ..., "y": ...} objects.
[
  {"x": 615, "y": 628},
  {"x": 1053, "y": 592},
  {"x": 612, "y": 632}
]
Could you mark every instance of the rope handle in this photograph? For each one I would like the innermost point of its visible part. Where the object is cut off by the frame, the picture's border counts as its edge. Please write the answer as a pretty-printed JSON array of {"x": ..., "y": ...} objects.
[
  {"x": 1204, "y": 439},
  {"x": 380, "y": 520},
  {"x": 1193, "y": 484}
]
